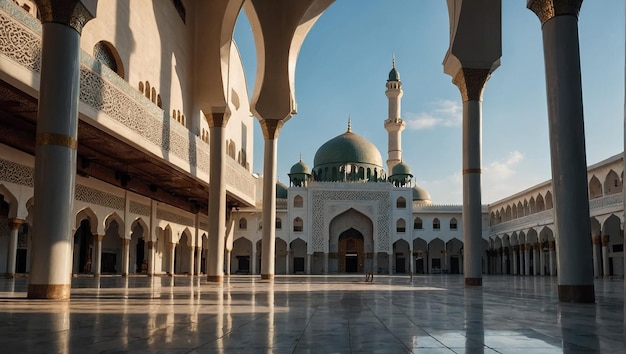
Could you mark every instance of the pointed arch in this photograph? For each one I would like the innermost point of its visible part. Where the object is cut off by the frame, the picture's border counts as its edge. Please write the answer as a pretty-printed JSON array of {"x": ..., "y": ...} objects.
[
  {"x": 549, "y": 204},
  {"x": 454, "y": 224},
  {"x": 88, "y": 214},
  {"x": 418, "y": 224},
  {"x": 401, "y": 203},
  {"x": 595, "y": 188},
  {"x": 612, "y": 183},
  {"x": 400, "y": 225},
  {"x": 541, "y": 206},
  {"x": 436, "y": 224}
]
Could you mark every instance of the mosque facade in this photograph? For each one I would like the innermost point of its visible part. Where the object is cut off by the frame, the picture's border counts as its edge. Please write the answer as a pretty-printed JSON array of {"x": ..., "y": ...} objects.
[{"x": 141, "y": 173}]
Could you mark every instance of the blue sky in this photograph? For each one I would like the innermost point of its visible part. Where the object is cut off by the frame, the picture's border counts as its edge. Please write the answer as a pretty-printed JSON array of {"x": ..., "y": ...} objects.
[{"x": 343, "y": 67}]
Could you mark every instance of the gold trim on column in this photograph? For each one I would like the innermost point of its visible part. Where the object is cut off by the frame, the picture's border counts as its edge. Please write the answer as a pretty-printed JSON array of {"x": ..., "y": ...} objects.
[
  {"x": 471, "y": 83},
  {"x": 57, "y": 139},
  {"x": 271, "y": 128},
  {"x": 605, "y": 240},
  {"x": 72, "y": 13},
  {"x": 15, "y": 223},
  {"x": 472, "y": 170},
  {"x": 217, "y": 119},
  {"x": 548, "y": 9}
]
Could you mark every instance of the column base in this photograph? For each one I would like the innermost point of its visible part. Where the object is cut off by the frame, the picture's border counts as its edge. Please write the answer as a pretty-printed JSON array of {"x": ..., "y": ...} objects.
[
  {"x": 267, "y": 276},
  {"x": 214, "y": 278},
  {"x": 49, "y": 291},
  {"x": 473, "y": 281},
  {"x": 583, "y": 294}
]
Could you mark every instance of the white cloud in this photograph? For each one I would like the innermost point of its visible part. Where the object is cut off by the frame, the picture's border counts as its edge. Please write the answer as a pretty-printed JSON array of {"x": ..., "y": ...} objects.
[
  {"x": 446, "y": 113},
  {"x": 503, "y": 169}
]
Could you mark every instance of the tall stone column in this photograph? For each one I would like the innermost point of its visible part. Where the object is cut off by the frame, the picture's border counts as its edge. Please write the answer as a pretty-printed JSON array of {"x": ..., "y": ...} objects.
[
  {"x": 605, "y": 256},
  {"x": 325, "y": 270},
  {"x": 552, "y": 258},
  {"x": 536, "y": 263},
  {"x": 55, "y": 147},
  {"x": 271, "y": 128},
  {"x": 199, "y": 260},
  {"x": 97, "y": 259},
  {"x": 227, "y": 262},
  {"x": 559, "y": 24},
  {"x": 309, "y": 259},
  {"x": 542, "y": 260},
  {"x": 150, "y": 258},
  {"x": 171, "y": 253},
  {"x": 527, "y": 259},
  {"x": 287, "y": 263},
  {"x": 390, "y": 258},
  {"x": 254, "y": 258},
  {"x": 515, "y": 260},
  {"x": 217, "y": 197},
  {"x": 14, "y": 225},
  {"x": 125, "y": 256},
  {"x": 192, "y": 263},
  {"x": 595, "y": 240},
  {"x": 471, "y": 83}
]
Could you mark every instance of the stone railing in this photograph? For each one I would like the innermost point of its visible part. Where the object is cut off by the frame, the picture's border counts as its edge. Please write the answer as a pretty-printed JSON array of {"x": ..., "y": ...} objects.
[{"x": 110, "y": 100}]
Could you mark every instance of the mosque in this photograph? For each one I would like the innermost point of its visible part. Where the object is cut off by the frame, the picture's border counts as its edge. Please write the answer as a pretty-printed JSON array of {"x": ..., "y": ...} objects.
[{"x": 152, "y": 172}]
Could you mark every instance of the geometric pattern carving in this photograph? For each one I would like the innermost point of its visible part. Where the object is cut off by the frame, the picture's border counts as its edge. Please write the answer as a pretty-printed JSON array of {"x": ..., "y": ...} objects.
[
  {"x": 175, "y": 218},
  {"x": 15, "y": 173},
  {"x": 241, "y": 182},
  {"x": 321, "y": 197},
  {"x": 94, "y": 196},
  {"x": 20, "y": 44},
  {"x": 138, "y": 208}
]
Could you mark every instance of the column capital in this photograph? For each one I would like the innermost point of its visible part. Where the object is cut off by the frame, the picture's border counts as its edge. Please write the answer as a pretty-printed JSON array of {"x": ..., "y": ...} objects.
[
  {"x": 271, "y": 128},
  {"x": 528, "y": 246},
  {"x": 15, "y": 223},
  {"x": 72, "y": 13},
  {"x": 217, "y": 119},
  {"x": 471, "y": 83},
  {"x": 125, "y": 241},
  {"x": 98, "y": 238},
  {"x": 595, "y": 240},
  {"x": 150, "y": 244},
  {"x": 605, "y": 240},
  {"x": 551, "y": 245},
  {"x": 548, "y": 9}
]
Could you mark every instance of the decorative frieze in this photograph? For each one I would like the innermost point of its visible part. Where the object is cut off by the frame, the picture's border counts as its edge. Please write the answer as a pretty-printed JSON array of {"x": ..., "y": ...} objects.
[
  {"x": 138, "y": 208},
  {"x": 15, "y": 173},
  {"x": 97, "y": 197},
  {"x": 175, "y": 218}
]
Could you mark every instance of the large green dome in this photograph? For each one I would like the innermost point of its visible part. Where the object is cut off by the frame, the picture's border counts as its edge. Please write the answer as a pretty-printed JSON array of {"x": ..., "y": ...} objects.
[{"x": 348, "y": 148}]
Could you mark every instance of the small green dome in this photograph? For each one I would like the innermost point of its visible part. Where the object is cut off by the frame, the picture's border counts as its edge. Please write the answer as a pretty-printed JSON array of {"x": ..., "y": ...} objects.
[
  {"x": 401, "y": 169},
  {"x": 394, "y": 75},
  {"x": 281, "y": 191},
  {"x": 420, "y": 194},
  {"x": 348, "y": 148},
  {"x": 300, "y": 167}
]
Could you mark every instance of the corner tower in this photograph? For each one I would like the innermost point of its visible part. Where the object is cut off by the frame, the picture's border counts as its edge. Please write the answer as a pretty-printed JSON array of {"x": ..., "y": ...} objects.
[{"x": 394, "y": 124}]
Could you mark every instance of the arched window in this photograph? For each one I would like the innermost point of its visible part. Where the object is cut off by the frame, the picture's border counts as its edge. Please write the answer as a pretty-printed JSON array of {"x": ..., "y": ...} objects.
[
  {"x": 436, "y": 224},
  {"x": 141, "y": 87},
  {"x": 400, "y": 225},
  {"x": 298, "y": 225},
  {"x": 106, "y": 54},
  {"x": 154, "y": 96},
  {"x": 540, "y": 204},
  {"x": 279, "y": 223},
  {"x": 453, "y": 224},
  {"x": 401, "y": 203},
  {"x": 243, "y": 224},
  {"x": 298, "y": 202},
  {"x": 612, "y": 183},
  {"x": 147, "y": 90},
  {"x": 418, "y": 224}
]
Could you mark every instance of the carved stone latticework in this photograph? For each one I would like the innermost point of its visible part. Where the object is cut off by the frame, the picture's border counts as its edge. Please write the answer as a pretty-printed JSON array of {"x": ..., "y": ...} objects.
[
  {"x": 15, "y": 173},
  {"x": 68, "y": 12},
  {"x": 320, "y": 198},
  {"x": 138, "y": 208},
  {"x": 471, "y": 83},
  {"x": 175, "y": 218},
  {"x": 271, "y": 128},
  {"x": 19, "y": 44},
  {"x": 548, "y": 9},
  {"x": 94, "y": 196}
]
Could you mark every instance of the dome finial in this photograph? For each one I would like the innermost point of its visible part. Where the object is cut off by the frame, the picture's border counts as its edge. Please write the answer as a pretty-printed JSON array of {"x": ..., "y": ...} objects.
[
  {"x": 393, "y": 60},
  {"x": 300, "y": 156},
  {"x": 349, "y": 124}
]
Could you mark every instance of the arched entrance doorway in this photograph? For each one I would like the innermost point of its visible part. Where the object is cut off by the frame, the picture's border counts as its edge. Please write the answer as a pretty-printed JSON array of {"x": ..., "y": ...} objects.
[{"x": 351, "y": 255}]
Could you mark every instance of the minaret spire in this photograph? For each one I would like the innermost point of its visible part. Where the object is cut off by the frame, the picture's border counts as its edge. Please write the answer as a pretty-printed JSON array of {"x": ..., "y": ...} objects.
[
  {"x": 394, "y": 124},
  {"x": 349, "y": 124}
]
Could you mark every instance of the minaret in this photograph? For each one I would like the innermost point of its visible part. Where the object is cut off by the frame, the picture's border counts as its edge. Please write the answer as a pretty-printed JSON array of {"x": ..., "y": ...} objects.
[{"x": 394, "y": 124}]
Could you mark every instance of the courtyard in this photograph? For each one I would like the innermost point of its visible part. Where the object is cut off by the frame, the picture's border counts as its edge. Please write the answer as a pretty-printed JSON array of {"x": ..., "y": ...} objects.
[{"x": 311, "y": 314}]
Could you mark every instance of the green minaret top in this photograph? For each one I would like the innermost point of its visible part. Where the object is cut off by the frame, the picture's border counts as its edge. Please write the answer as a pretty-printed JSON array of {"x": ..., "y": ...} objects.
[{"x": 394, "y": 75}]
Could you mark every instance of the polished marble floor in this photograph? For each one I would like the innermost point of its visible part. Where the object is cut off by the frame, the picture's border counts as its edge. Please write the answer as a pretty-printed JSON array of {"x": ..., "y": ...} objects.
[{"x": 311, "y": 314}]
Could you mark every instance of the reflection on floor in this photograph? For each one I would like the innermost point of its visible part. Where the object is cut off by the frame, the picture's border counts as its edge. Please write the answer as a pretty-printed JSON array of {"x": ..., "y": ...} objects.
[{"x": 311, "y": 314}]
